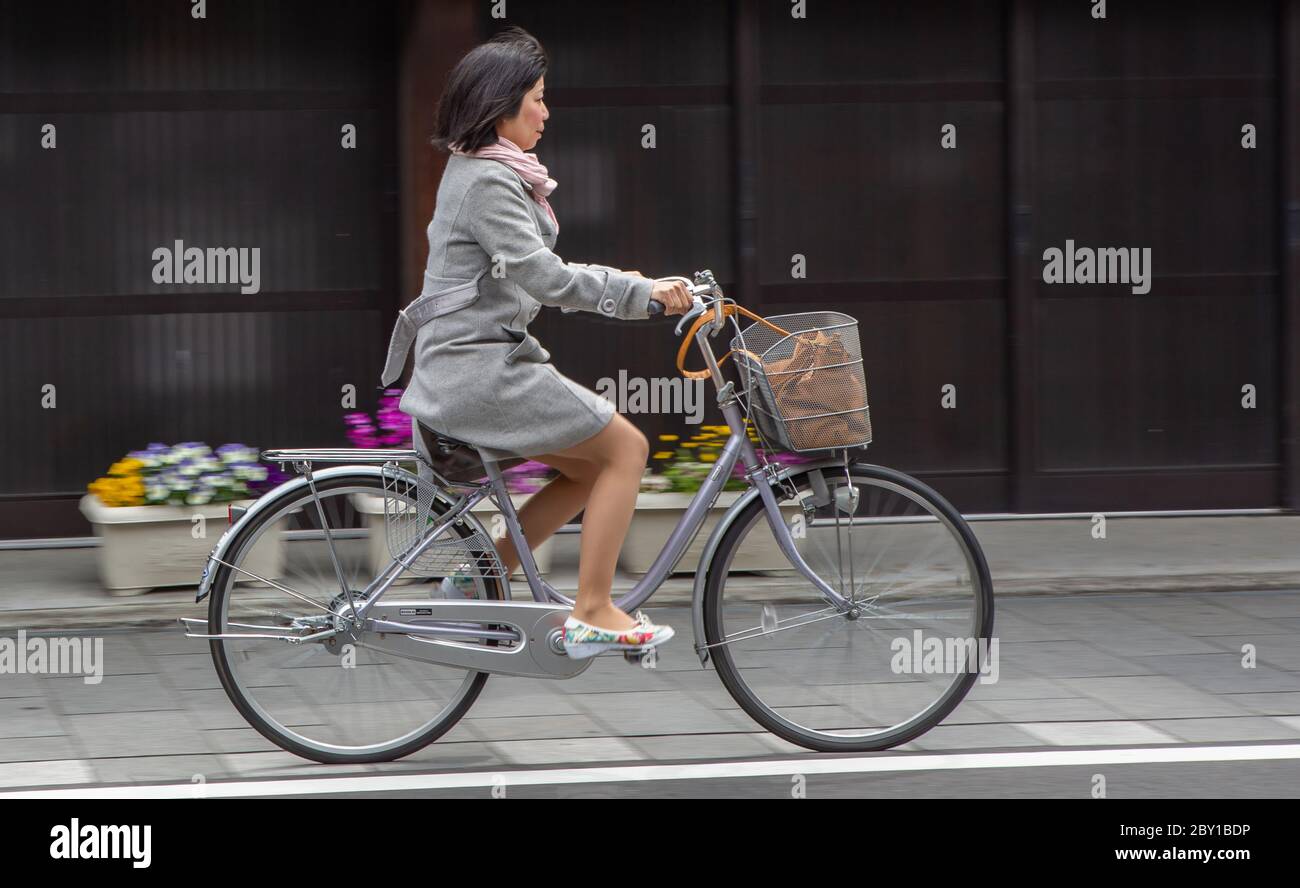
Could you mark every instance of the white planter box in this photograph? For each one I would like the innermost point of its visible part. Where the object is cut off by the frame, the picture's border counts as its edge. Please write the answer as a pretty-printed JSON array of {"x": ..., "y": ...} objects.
[
  {"x": 658, "y": 513},
  {"x": 145, "y": 547},
  {"x": 373, "y": 508}
]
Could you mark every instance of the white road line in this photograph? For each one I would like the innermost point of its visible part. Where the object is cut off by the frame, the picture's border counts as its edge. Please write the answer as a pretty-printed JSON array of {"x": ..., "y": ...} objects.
[{"x": 876, "y": 764}]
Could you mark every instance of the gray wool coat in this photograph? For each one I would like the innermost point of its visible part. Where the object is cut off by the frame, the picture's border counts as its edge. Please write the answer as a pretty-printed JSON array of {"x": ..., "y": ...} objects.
[{"x": 479, "y": 375}]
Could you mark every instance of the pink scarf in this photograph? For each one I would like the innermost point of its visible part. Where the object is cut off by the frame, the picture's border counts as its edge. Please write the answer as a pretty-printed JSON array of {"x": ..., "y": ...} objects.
[{"x": 525, "y": 164}]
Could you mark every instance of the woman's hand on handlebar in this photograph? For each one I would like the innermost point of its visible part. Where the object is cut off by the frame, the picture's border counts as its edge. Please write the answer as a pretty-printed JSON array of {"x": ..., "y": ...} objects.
[{"x": 673, "y": 295}]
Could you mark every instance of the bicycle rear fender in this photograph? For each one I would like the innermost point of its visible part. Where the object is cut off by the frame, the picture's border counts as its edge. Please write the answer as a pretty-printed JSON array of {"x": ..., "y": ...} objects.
[
  {"x": 270, "y": 499},
  {"x": 723, "y": 525}
]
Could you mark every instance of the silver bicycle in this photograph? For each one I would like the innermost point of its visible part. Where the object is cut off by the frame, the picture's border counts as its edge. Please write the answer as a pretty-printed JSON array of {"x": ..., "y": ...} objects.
[{"x": 331, "y": 635}]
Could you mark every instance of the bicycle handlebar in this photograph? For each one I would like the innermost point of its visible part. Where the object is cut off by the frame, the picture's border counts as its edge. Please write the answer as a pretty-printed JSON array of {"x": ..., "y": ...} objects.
[
  {"x": 719, "y": 308},
  {"x": 655, "y": 307}
]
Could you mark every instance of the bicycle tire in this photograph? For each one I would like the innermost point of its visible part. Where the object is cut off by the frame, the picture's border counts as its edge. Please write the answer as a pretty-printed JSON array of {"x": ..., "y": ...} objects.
[
  {"x": 220, "y": 587},
  {"x": 749, "y": 702}
]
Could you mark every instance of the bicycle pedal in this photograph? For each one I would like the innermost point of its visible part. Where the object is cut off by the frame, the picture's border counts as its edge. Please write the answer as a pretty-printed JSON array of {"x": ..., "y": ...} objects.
[{"x": 640, "y": 658}]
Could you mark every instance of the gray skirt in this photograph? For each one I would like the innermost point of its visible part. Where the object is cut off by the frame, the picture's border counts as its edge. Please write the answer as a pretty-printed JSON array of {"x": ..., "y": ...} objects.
[{"x": 506, "y": 410}]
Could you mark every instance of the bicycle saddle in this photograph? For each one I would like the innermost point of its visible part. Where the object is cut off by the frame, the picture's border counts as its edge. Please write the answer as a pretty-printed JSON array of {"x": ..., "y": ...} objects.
[
  {"x": 442, "y": 439},
  {"x": 455, "y": 459}
]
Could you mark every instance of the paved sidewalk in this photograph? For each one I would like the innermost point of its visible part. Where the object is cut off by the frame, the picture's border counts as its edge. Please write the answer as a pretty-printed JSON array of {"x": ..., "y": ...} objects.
[
  {"x": 1081, "y": 670},
  {"x": 53, "y": 588}
]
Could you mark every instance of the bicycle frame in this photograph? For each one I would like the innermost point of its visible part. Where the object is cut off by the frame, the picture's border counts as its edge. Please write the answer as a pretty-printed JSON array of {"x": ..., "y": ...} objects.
[
  {"x": 738, "y": 446},
  {"x": 760, "y": 476}
]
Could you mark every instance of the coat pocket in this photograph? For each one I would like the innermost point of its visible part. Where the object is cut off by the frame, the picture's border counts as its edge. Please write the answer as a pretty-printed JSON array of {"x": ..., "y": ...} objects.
[{"x": 528, "y": 349}]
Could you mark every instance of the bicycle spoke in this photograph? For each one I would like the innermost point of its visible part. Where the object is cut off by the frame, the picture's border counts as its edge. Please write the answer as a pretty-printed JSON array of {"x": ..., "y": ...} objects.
[
  {"x": 903, "y": 567},
  {"x": 311, "y": 699}
]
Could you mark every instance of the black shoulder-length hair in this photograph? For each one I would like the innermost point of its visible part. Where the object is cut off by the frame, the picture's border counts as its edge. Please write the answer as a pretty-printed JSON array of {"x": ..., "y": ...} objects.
[{"x": 489, "y": 83}]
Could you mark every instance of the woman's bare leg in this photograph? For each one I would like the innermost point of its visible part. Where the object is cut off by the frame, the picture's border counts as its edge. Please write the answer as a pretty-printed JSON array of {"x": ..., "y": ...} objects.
[
  {"x": 607, "y": 470},
  {"x": 552, "y": 507}
]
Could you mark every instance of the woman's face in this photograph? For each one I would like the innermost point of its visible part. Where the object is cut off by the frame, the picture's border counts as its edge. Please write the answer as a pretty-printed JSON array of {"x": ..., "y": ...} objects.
[{"x": 525, "y": 128}]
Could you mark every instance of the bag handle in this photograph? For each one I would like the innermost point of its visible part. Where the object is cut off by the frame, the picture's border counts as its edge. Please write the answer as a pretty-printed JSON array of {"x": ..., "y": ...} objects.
[{"x": 720, "y": 311}]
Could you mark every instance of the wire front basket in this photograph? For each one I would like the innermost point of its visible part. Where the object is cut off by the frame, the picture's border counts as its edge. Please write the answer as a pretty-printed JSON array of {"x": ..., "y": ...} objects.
[
  {"x": 806, "y": 387},
  {"x": 409, "y": 514}
]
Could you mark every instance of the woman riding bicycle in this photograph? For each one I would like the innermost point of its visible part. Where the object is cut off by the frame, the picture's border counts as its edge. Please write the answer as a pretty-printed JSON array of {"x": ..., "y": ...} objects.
[{"x": 480, "y": 377}]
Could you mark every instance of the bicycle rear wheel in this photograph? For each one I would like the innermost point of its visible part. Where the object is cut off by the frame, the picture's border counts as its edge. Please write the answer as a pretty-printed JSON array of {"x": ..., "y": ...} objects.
[
  {"x": 326, "y": 701},
  {"x": 868, "y": 678}
]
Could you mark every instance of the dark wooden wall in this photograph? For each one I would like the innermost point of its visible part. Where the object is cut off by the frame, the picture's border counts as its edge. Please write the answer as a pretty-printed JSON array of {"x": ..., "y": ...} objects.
[
  {"x": 219, "y": 132},
  {"x": 819, "y": 138},
  {"x": 776, "y": 137}
]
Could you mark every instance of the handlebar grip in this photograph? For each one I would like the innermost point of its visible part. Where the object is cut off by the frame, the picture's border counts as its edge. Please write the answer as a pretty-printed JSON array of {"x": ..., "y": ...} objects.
[{"x": 655, "y": 307}]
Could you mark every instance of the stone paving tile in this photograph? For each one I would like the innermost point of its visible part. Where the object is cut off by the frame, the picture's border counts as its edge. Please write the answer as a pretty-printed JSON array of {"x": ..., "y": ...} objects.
[
  {"x": 1223, "y": 673},
  {"x": 270, "y": 765},
  {"x": 243, "y": 739},
  {"x": 116, "y": 693},
  {"x": 1095, "y": 733},
  {"x": 577, "y": 751},
  {"x": 35, "y": 749},
  {"x": 20, "y": 686},
  {"x": 700, "y": 745},
  {"x": 1017, "y": 689},
  {"x": 1144, "y": 639},
  {"x": 159, "y": 769},
  {"x": 506, "y": 696},
  {"x": 1152, "y": 697},
  {"x": 949, "y": 736},
  {"x": 1195, "y": 617},
  {"x": 1291, "y": 722},
  {"x": 46, "y": 773},
  {"x": 1066, "y": 709},
  {"x": 1212, "y": 730},
  {"x": 136, "y": 733},
  {"x": 667, "y": 712},
  {"x": 1266, "y": 605},
  {"x": 1286, "y": 704},
  {"x": 1016, "y": 628},
  {"x": 569, "y": 725},
  {"x": 28, "y": 717},
  {"x": 1278, "y": 650},
  {"x": 1060, "y": 659}
]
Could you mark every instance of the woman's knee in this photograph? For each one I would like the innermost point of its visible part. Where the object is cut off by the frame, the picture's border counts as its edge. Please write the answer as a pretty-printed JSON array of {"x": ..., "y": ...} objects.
[{"x": 620, "y": 445}]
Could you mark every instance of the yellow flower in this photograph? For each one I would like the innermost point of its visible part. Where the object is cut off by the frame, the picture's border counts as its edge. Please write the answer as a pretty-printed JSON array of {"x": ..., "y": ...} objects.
[
  {"x": 118, "y": 491},
  {"x": 690, "y": 444},
  {"x": 663, "y": 454},
  {"x": 667, "y": 437},
  {"x": 708, "y": 457}
]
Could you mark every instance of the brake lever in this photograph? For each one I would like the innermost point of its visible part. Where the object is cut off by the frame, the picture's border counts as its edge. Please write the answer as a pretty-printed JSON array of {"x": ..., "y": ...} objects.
[{"x": 695, "y": 312}]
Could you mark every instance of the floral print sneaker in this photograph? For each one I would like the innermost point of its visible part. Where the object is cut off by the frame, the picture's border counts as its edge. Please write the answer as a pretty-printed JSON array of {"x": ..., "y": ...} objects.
[{"x": 582, "y": 640}]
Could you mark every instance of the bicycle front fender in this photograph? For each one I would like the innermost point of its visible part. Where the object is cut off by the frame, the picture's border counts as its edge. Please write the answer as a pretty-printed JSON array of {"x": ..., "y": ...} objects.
[{"x": 715, "y": 538}]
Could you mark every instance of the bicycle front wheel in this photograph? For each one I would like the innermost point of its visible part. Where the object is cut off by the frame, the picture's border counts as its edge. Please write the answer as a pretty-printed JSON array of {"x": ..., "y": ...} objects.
[{"x": 892, "y": 665}]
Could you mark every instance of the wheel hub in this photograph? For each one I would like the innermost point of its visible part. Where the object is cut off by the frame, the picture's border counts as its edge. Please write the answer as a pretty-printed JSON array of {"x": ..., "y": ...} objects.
[{"x": 342, "y": 619}]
